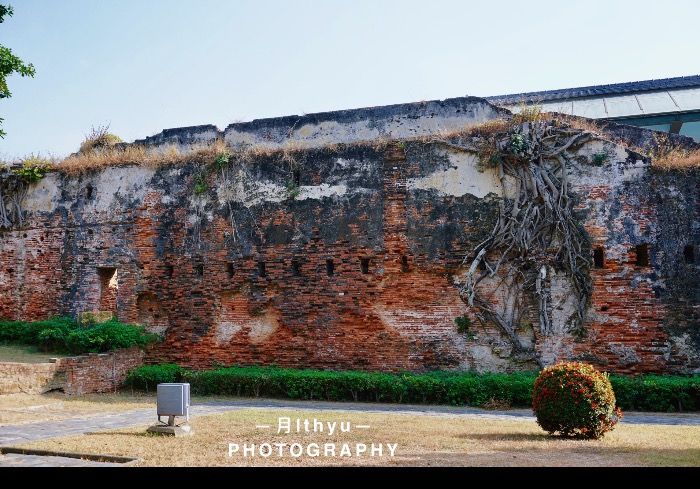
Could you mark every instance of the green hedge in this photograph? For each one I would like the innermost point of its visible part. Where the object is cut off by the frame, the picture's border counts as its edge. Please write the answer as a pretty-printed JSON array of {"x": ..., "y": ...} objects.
[
  {"x": 658, "y": 393},
  {"x": 64, "y": 335},
  {"x": 647, "y": 393},
  {"x": 272, "y": 382}
]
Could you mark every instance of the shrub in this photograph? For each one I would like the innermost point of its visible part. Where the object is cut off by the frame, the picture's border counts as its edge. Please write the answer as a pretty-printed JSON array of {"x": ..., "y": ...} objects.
[
  {"x": 107, "y": 336},
  {"x": 149, "y": 376},
  {"x": 33, "y": 168},
  {"x": 99, "y": 138},
  {"x": 575, "y": 400},
  {"x": 64, "y": 335}
]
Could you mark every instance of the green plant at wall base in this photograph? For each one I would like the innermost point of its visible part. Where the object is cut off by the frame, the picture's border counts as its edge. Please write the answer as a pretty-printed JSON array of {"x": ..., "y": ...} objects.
[
  {"x": 64, "y": 335},
  {"x": 200, "y": 185},
  {"x": 639, "y": 393},
  {"x": 575, "y": 400},
  {"x": 149, "y": 376}
]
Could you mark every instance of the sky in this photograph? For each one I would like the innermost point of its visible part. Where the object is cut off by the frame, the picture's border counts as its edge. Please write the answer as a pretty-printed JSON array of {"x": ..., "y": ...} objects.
[{"x": 138, "y": 67}]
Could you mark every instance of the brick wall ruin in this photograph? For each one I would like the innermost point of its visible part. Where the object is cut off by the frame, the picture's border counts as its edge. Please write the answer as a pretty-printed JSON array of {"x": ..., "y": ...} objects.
[
  {"x": 74, "y": 376},
  {"x": 350, "y": 255}
]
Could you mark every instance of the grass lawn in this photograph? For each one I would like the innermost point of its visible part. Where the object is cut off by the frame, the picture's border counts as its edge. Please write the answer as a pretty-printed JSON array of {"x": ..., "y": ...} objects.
[{"x": 253, "y": 438}]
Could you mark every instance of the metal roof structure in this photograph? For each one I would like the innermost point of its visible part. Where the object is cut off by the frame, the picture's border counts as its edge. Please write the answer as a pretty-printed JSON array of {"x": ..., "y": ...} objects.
[{"x": 668, "y": 104}]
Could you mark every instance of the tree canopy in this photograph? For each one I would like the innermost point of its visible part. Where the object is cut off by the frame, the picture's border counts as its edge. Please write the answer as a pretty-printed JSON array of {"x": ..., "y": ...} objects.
[{"x": 9, "y": 63}]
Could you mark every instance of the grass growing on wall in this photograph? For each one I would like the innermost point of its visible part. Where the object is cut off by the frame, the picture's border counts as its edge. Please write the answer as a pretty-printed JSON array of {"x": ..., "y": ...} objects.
[{"x": 101, "y": 149}]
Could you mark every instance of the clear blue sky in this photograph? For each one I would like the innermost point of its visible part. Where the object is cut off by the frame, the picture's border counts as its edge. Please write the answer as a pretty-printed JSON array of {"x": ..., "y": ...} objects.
[{"x": 141, "y": 66}]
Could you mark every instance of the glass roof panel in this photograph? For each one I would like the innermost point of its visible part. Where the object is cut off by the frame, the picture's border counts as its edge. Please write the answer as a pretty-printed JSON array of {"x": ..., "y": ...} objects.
[
  {"x": 687, "y": 99},
  {"x": 657, "y": 103},
  {"x": 622, "y": 106},
  {"x": 591, "y": 108},
  {"x": 562, "y": 106}
]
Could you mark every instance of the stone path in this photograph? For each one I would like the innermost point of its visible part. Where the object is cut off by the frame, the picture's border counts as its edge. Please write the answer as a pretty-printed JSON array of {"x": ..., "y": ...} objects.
[{"x": 11, "y": 436}]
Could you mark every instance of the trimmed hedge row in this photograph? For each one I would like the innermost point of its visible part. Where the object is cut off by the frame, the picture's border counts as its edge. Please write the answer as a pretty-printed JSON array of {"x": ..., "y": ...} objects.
[
  {"x": 273, "y": 382},
  {"x": 647, "y": 393}
]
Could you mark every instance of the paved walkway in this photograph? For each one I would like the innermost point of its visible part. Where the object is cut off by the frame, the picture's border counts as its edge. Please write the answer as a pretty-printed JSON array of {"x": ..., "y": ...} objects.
[{"x": 11, "y": 436}]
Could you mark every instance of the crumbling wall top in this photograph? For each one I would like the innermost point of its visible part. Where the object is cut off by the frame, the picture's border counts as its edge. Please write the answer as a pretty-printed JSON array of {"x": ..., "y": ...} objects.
[{"x": 342, "y": 126}]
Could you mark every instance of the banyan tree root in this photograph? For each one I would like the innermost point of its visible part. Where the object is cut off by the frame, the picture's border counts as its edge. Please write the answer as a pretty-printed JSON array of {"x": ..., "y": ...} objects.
[
  {"x": 536, "y": 233},
  {"x": 13, "y": 191}
]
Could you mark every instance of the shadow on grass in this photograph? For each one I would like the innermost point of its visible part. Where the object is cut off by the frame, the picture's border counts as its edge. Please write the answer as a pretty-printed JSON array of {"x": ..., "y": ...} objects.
[
  {"x": 145, "y": 434},
  {"x": 505, "y": 436}
]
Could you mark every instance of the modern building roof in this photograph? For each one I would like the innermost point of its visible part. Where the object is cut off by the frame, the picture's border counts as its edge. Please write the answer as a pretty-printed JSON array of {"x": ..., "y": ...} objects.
[
  {"x": 597, "y": 90},
  {"x": 668, "y": 104}
]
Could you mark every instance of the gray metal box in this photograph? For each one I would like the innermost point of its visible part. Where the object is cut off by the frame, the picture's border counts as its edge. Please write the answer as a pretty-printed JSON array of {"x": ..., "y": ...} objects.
[{"x": 174, "y": 400}]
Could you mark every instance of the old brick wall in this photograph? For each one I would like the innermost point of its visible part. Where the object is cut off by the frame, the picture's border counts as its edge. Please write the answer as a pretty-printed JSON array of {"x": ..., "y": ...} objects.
[
  {"x": 98, "y": 372},
  {"x": 29, "y": 378},
  {"x": 350, "y": 256},
  {"x": 75, "y": 376}
]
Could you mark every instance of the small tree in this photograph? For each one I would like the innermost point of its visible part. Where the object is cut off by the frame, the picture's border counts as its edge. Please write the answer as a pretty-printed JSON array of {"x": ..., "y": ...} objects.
[
  {"x": 99, "y": 138},
  {"x": 575, "y": 400},
  {"x": 9, "y": 64}
]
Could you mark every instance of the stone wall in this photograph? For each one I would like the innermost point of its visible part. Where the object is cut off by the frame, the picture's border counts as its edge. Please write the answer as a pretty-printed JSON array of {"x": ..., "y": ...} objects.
[
  {"x": 350, "y": 255},
  {"x": 75, "y": 376},
  {"x": 29, "y": 378}
]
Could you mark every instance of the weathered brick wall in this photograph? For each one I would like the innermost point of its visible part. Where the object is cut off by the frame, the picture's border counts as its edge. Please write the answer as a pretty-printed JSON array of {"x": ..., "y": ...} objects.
[
  {"x": 29, "y": 378},
  {"x": 84, "y": 374},
  {"x": 359, "y": 266},
  {"x": 98, "y": 372}
]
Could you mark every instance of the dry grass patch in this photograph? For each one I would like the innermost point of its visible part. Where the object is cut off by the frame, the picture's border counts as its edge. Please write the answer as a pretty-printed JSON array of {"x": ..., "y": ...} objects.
[
  {"x": 677, "y": 159},
  {"x": 530, "y": 113},
  {"x": 427, "y": 440},
  {"x": 154, "y": 157},
  {"x": 16, "y": 409}
]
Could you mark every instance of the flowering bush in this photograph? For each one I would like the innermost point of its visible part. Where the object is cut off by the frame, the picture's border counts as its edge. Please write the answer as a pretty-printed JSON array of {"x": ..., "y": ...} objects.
[{"x": 575, "y": 400}]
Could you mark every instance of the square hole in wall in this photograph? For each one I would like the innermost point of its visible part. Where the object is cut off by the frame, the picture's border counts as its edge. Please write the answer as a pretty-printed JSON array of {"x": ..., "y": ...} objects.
[
  {"x": 229, "y": 270},
  {"x": 109, "y": 285},
  {"x": 689, "y": 254},
  {"x": 364, "y": 265},
  {"x": 642, "y": 252},
  {"x": 296, "y": 268},
  {"x": 261, "y": 269},
  {"x": 330, "y": 267},
  {"x": 404, "y": 264},
  {"x": 599, "y": 258}
]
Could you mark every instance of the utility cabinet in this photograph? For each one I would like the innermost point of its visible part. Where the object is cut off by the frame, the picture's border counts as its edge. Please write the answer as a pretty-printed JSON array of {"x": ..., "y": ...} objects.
[{"x": 173, "y": 400}]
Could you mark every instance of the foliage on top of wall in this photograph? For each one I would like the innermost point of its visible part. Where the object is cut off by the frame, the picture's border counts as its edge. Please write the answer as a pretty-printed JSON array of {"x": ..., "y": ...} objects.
[
  {"x": 14, "y": 185},
  {"x": 98, "y": 139},
  {"x": 33, "y": 169}
]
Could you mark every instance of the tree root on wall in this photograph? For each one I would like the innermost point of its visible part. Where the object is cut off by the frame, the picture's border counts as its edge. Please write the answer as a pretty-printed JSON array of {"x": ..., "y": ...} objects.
[{"x": 536, "y": 234}]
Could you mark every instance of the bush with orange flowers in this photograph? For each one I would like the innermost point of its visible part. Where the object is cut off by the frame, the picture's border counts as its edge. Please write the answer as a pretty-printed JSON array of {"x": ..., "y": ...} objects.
[{"x": 575, "y": 400}]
